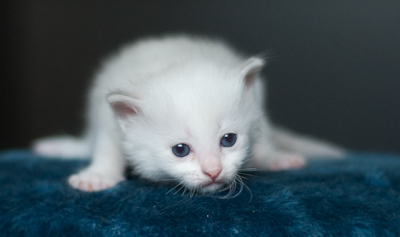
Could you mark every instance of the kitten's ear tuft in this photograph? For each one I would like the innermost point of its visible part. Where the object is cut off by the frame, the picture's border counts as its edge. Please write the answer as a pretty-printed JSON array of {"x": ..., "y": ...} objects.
[
  {"x": 250, "y": 69},
  {"x": 124, "y": 107}
]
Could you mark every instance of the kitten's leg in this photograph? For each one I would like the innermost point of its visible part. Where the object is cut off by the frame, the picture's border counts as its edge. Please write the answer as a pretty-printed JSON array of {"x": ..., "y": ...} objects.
[
  {"x": 278, "y": 160},
  {"x": 308, "y": 146},
  {"x": 63, "y": 146},
  {"x": 106, "y": 169},
  {"x": 272, "y": 159},
  {"x": 266, "y": 156}
]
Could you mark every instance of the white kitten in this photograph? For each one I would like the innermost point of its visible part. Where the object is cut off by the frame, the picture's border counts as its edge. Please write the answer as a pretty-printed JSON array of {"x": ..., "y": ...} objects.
[{"x": 182, "y": 108}]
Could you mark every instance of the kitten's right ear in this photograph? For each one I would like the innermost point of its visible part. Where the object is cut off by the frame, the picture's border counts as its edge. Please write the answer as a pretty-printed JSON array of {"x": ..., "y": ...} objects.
[{"x": 125, "y": 108}]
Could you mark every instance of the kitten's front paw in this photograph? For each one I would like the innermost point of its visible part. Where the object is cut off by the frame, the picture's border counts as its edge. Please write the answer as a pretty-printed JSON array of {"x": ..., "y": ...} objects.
[
  {"x": 90, "y": 181},
  {"x": 285, "y": 162}
]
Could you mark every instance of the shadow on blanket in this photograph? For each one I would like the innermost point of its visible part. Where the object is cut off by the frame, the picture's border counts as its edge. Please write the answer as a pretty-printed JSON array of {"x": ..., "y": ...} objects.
[{"x": 358, "y": 196}]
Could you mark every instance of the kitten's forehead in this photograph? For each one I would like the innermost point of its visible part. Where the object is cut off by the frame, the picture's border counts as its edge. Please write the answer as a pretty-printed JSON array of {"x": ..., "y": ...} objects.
[
  {"x": 199, "y": 84},
  {"x": 199, "y": 91},
  {"x": 198, "y": 99}
]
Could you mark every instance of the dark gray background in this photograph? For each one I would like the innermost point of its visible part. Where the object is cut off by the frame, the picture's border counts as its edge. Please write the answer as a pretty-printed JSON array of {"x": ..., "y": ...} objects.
[{"x": 335, "y": 71}]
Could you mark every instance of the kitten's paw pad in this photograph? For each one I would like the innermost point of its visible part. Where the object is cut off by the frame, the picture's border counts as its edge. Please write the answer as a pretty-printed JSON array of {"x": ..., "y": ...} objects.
[
  {"x": 288, "y": 162},
  {"x": 90, "y": 182}
]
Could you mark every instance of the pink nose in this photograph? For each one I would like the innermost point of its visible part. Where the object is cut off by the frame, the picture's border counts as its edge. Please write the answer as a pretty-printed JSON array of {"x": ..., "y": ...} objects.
[{"x": 213, "y": 174}]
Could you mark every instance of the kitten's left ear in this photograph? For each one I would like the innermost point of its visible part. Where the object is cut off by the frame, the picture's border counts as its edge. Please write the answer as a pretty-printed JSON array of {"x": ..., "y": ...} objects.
[{"x": 250, "y": 69}]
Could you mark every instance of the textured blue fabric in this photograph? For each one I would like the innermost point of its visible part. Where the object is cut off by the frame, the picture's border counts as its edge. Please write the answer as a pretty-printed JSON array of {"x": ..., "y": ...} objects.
[{"x": 357, "y": 196}]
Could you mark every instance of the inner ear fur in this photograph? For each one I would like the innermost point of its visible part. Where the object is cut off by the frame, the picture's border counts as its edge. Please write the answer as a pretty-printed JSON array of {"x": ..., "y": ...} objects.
[
  {"x": 124, "y": 106},
  {"x": 251, "y": 69}
]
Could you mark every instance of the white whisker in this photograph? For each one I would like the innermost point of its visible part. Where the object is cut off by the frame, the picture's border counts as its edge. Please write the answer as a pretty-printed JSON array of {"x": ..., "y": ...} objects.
[
  {"x": 248, "y": 169},
  {"x": 247, "y": 175},
  {"x": 169, "y": 179},
  {"x": 173, "y": 188},
  {"x": 247, "y": 187},
  {"x": 240, "y": 181},
  {"x": 192, "y": 192},
  {"x": 184, "y": 191},
  {"x": 179, "y": 189}
]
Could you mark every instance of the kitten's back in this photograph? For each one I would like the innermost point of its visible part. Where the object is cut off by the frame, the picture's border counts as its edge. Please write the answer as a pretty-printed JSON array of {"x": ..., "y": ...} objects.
[{"x": 152, "y": 55}]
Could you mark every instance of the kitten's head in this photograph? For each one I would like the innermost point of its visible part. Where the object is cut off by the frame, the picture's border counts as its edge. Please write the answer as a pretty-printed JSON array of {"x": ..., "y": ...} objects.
[{"x": 191, "y": 123}]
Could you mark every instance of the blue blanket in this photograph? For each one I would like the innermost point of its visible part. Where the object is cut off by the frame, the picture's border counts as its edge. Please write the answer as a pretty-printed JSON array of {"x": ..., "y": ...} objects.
[{"x": 357, "y": 196}]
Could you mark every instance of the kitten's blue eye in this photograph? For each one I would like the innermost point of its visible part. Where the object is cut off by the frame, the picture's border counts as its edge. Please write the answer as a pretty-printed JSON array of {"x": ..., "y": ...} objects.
[
  {"x": 181, "y": 150},
  {"x": 228, "y": 140}
]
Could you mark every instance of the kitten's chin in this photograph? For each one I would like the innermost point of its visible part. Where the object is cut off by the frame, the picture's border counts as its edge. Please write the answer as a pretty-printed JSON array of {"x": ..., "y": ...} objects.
[{"x": 211, "y": 187}]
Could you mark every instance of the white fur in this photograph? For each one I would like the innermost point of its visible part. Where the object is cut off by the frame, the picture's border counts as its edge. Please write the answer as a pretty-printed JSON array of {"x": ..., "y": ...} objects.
[{"x": 159, "y": 92}]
